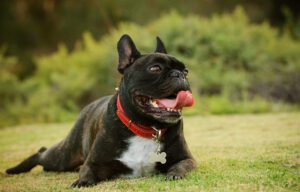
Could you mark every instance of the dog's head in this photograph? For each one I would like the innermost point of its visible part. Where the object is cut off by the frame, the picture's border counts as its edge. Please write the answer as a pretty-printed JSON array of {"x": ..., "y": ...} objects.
[{"x": 154, "y": 87}]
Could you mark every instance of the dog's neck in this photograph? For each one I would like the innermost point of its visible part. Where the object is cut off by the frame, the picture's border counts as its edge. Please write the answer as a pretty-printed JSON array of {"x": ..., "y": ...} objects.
[{"x": 137, "y": 129}]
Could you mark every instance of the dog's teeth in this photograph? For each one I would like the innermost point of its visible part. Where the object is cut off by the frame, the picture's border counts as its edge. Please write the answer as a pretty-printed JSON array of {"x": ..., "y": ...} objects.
[{"x": 153, "y": 103}]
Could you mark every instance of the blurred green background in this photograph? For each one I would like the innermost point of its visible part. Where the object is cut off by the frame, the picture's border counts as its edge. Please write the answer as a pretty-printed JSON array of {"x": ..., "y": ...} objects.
[{"x": 56, "y": 56}]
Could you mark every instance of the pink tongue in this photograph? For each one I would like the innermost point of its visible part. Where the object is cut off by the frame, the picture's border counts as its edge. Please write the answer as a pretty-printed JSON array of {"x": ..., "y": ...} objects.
[{"x": 183, "y": 99}]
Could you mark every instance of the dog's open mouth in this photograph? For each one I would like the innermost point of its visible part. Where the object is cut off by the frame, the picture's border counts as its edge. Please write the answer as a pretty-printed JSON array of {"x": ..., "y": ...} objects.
[{"x": 172, "y": 104}]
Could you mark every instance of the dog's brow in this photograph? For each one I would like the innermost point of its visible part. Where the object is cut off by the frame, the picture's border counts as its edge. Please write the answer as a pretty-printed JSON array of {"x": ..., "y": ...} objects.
[
  {"x": 160, "y": 60},
  {"x": 177, "y": 64}
]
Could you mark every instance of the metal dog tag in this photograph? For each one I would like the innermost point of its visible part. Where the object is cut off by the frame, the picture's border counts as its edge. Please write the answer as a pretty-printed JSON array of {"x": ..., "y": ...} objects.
[{"x": 158, "y": 157}]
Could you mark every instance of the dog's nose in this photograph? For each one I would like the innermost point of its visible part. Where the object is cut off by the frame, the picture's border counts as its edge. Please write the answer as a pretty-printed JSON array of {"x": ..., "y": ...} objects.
[{"x": 176, "y": 73}]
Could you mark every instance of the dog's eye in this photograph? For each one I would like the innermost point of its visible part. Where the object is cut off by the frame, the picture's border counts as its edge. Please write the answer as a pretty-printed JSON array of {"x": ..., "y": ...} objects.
[{"x": 155, "y": 69}]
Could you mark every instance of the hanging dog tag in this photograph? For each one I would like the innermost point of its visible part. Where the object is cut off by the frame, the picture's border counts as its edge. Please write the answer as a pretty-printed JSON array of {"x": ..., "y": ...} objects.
[{"x": 158, "y": 157}]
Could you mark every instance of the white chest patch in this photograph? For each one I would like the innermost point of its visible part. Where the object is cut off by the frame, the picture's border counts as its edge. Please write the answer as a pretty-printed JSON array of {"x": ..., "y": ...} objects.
[{"x": 137, "y": 156}]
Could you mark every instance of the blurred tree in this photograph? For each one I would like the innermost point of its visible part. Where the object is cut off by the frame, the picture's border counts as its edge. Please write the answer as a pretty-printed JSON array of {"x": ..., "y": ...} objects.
[{"x": 34, "y": 27}]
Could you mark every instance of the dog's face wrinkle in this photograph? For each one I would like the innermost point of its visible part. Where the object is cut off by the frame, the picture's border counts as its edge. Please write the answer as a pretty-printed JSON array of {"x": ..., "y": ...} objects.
[
  {"x": 145, "y": 82},
  {"x": 163, "y": 87}
]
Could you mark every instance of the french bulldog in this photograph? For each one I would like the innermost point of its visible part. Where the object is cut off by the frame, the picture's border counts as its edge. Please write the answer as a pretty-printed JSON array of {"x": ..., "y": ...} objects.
[{"x": 136, "y": 132}]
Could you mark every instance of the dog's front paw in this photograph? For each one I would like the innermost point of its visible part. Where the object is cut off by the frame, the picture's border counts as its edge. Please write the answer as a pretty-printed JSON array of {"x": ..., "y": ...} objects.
[
  {"x": 82, "y": 183},
  {"x": 180, "y": 169}
]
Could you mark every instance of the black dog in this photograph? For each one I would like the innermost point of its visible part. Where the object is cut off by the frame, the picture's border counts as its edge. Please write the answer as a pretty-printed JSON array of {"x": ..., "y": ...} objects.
[{"x": 136, "y": 132}]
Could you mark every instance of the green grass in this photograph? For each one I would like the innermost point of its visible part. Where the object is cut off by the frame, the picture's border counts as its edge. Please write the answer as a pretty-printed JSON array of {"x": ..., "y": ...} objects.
[{"x": 234, "y": 153}]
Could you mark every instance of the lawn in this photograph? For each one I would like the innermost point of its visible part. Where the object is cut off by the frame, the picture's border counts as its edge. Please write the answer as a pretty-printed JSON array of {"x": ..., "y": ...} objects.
[{"x": 234, "y": 153}]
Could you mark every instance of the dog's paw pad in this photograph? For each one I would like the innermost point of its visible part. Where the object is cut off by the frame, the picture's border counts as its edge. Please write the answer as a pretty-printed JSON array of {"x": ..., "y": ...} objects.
[{"x": 172, "y": 177}]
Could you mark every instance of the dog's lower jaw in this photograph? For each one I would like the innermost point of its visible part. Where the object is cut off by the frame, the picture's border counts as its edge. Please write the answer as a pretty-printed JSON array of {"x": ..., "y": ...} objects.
[
  {"x": 180, "y": 169},
  {"x": 168, "y": 120}
]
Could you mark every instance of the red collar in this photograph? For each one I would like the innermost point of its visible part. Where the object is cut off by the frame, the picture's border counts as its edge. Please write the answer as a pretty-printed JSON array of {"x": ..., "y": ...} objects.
[{"x": 142, "y": 131}]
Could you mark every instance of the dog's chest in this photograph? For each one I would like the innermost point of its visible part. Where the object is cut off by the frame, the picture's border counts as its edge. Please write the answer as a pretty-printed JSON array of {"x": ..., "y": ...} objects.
[{"x": 136, "y": 157}]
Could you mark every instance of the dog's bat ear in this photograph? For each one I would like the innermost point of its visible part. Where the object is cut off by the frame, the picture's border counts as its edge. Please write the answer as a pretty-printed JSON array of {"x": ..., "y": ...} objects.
[
  {"x": 127, "y": 52},
  {"x": 160, "y": 47}
]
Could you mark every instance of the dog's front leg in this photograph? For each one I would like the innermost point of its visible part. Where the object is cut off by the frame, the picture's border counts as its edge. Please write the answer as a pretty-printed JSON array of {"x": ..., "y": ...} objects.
[
  {"x": 92, "y": 173},
  {"x": 180, "y": 169}
]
